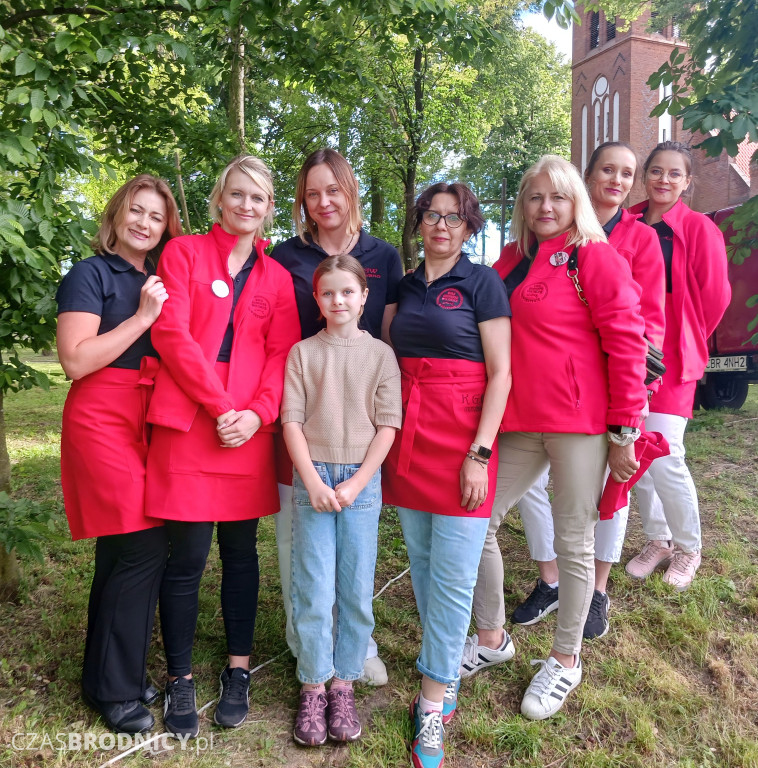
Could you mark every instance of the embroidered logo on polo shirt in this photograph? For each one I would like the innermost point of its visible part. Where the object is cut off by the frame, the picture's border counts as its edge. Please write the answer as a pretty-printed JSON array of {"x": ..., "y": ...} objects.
[
  {"x": 372, "y": 272},
  {"x": 534, "y": 292},
  {"x": 451, "y": 298},
  {"x": 260, "y": 307}
]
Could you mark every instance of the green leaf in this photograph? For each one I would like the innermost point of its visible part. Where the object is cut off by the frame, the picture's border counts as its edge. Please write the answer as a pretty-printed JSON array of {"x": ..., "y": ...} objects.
[
  {"x": 6, "y": 53},
  {"x": 103, "y": 55},
  {"x": 35, "y": 114},
  {"x": 64, "y": 40},
  {"x": 50, "y": 118},
  {"x": 24, "y": 64}
]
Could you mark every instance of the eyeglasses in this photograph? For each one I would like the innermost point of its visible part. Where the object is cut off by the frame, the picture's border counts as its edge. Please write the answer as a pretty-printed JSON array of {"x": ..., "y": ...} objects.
[
  {"x": 452, "y": 220},
  {"x": 659, "y": 174}
]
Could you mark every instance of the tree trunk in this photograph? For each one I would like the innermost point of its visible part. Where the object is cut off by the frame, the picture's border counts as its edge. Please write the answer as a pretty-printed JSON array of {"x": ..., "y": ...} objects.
[
  {"x": 182, "y": 197},
  {"x": 410, "y": 252},
  {"x": 237, "y": 90},
  {"x": 9, "y": 573},
  {"x": 377, "y": 204}
]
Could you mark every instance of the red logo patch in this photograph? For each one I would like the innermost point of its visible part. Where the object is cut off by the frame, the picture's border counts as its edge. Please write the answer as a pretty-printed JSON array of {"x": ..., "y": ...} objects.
[
  {"x": 451, "y": 298},
  {"x": 260, "y": 307},
  {"x": 535, "y": 292}
]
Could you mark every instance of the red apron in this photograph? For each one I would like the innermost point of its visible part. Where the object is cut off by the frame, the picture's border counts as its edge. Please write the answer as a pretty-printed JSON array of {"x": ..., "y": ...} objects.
[
  {"x": 442, "y": 405},
  {"x": 190, "y": 477},
  {"x": 103, "y": 451}
]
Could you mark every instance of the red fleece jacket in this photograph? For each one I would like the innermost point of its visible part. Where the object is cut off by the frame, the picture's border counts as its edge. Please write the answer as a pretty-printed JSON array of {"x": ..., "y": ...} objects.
[
  {"x": 575, "y": 368},
  {"x": 700, "y": 287},
  {"x": 189, "y": 331}
]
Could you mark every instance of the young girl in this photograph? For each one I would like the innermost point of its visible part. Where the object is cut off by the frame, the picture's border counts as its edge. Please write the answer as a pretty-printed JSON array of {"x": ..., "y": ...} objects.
[{"x": 340, "y": 412}]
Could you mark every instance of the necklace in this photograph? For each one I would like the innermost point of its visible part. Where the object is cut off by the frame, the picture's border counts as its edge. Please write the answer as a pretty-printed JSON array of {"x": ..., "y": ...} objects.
[{"x": 345, "y": 248}]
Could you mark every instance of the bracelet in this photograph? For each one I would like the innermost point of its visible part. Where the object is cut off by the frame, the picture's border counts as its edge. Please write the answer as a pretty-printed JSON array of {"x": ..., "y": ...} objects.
[{"x": 478, "y": 460}]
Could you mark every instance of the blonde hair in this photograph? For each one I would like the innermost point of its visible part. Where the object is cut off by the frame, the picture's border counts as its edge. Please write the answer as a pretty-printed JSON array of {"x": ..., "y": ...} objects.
[
  {"x": 259, "y": 174},
  {"x": 566, "y": 179},
  {"x": 346, "y": 182},
  {"x": 115, "y": 213}
]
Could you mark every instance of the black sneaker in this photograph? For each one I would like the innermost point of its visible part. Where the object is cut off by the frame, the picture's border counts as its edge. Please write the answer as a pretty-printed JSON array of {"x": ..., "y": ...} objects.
[
  {"x": 543, "y": 600},
  {"x": 233, "y": 704},
  {"x": 180, "y": 709},
  {"x": 597, "y": 619}
]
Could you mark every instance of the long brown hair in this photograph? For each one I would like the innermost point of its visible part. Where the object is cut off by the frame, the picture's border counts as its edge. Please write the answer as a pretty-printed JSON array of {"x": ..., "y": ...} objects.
[{"x": 346, "y": 181}]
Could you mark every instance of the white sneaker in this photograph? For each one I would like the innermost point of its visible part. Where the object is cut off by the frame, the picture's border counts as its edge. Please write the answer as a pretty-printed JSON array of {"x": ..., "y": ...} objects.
[
  {"x": 374, "y": 672},
  {"x": 549, "y": 688},
  {"x": 476, "y": 657}
]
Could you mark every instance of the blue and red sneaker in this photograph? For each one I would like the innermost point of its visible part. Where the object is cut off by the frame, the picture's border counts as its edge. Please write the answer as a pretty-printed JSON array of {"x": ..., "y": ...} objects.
[
  {"x": 450, "y": 701},
  {"x": 426, "y": 748}
]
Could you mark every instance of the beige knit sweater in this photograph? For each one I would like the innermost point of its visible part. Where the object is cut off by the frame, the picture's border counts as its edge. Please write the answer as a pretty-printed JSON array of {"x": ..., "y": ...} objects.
[{"x": 341, "y": 390}]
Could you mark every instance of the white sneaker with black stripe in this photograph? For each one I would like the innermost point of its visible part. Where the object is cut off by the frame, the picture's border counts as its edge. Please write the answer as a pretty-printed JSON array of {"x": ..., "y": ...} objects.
[
  {"x": 476, "y": 657},
  {"x": 549, "y": 688}
]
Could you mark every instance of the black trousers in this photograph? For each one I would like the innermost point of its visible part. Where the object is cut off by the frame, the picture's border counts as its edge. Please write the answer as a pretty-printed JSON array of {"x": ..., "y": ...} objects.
[
  {"x": 189, "y": 544},
  {"x": 124, "y": 593}
]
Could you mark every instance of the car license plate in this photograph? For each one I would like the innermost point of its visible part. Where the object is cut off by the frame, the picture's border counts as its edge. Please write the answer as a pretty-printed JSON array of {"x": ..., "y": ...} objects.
[{"x": 726, "y": 364}]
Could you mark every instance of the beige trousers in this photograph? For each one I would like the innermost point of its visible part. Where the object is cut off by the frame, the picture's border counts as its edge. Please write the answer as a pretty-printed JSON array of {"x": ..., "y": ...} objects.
[{"x": 577, "y": 465}]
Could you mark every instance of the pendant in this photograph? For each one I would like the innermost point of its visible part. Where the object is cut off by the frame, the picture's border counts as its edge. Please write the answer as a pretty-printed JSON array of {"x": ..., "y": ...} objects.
[
  {"x": 558, "y": 259},
  {"x": 220, "y": 288}
]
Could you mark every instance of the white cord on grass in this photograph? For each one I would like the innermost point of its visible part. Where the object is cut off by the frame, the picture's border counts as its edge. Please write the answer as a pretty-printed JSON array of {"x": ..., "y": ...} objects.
[{"x": 143, "y": 744}]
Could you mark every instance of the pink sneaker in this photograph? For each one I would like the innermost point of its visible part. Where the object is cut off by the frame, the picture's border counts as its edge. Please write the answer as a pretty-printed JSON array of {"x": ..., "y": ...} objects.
[
  {"x": 653, "y": 554},
  {"x": 682, "y": 570}
]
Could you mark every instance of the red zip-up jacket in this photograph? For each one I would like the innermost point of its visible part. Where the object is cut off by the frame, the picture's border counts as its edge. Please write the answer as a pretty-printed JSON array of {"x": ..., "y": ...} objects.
[
  {"x": 576, "y": 368},
  {"x": 189, "y": 331},
  {"x": 699, "y": 284},
  {"x": 639, "y": 245}
]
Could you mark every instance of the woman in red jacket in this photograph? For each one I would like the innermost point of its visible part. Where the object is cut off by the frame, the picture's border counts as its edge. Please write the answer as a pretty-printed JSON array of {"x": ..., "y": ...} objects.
[
  {"x": 106, "y": 305},
  {"x": 578, "y": 353},
  {"x": 610, "y": 175},
  {"x": 223, "y": 338},
  {"x": 697, "y": 294}
]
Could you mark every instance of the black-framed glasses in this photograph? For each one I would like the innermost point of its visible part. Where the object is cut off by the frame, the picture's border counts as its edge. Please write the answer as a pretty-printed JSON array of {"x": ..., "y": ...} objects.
[{"x": 452, "y": 220}]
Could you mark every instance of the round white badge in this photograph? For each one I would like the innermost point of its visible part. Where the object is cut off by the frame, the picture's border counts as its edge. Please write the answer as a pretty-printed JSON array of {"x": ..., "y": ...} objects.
[
  {"x": 557, "y": 259},
  {"x": 220, "y": 288}
]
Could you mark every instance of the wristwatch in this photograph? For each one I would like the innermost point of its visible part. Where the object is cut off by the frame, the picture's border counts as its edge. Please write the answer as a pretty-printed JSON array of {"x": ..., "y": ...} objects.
[
  {"x": 480, "y": 450},
  {"x": 622, "y": 435}
]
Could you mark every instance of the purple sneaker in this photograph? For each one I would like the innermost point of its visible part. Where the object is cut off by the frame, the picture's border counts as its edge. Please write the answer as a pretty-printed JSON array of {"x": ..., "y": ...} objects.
[
  {"x": 310, "y": 723},
  {"x": 344, "y": 724}
]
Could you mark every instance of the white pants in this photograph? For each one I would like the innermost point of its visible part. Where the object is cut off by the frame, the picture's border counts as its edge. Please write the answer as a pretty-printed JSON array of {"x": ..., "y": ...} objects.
[
  {"x": 284, "y": 547},
  {"x": 537, "y": 518},
  {"x": 666, "y": 493}
]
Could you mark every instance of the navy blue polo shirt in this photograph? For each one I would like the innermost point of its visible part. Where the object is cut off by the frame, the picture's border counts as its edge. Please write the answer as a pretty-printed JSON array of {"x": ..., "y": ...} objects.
[
  {"x": 379, "y": 259},
  {"x": 108, "y": 286},
  {"x": 442, "y": 320}
]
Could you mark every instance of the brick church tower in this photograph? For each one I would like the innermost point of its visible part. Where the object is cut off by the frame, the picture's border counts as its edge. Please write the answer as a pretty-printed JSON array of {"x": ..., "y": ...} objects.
[{"x": 611, "y": 101}]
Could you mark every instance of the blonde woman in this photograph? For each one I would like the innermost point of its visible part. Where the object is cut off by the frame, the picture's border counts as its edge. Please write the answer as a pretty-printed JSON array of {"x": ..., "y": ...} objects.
[{"x": 576, "y": 403}]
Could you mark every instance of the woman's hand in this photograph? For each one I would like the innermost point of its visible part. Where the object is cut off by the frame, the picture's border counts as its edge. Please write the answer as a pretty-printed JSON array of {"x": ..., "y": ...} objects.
[
  {"x": 473, "y": 484},
  {"x": 151, "y": 299},
  {"x": 622, "y": 462},
  {"x": 323, "y": 498},
  {"x": 235, "y": 428}
]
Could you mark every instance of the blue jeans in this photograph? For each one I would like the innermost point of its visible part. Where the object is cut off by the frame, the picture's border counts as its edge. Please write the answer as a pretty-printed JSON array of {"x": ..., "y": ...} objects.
[
  {"x": 333, "y": 560},
  {"x": 444, "y": 552}
]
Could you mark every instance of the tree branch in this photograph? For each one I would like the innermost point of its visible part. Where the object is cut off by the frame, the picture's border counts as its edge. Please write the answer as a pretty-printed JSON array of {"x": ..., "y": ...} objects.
[{"x": 11, "y": 21}]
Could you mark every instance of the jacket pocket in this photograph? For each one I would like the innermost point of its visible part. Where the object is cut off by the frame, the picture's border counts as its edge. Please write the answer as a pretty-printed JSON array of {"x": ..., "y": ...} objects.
[{"x": 573, "y": 384}]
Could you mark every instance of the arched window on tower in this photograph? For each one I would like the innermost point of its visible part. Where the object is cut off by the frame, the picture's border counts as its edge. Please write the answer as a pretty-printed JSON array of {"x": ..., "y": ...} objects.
[
  {"x": 594, "y": 29},
  {"x": 601, "y": 109},
  {"x": 664, "y": 121},
  {"x": 584, "y": 137}
]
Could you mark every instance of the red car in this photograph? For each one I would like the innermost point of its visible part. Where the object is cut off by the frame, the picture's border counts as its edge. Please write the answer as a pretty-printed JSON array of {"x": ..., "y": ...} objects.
[{"x": 733, "y": 362}]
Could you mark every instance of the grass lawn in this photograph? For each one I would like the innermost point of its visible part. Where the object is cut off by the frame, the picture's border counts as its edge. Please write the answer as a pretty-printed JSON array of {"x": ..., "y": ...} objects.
[{"x": 674, "y": 682}]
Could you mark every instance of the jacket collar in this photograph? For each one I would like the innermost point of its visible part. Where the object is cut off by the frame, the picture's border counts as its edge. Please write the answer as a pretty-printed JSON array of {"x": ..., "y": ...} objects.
[
  {"x": 672, "y": 217},
  {"x": 225, "y": 242}
]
